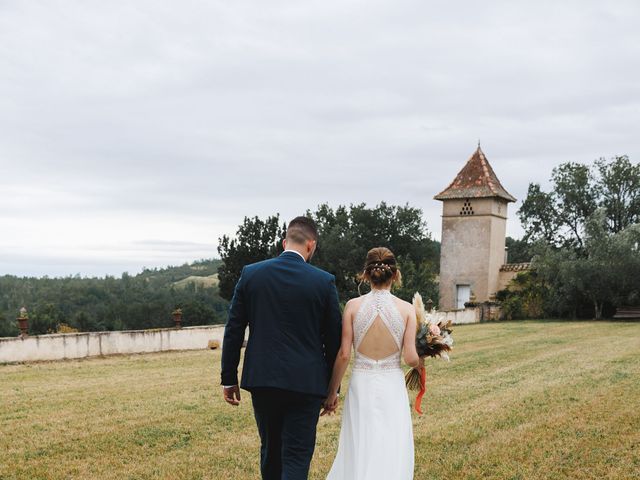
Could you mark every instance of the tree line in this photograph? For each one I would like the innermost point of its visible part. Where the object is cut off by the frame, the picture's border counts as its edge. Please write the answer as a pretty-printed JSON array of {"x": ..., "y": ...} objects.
[
  {"x": 583, "y": 236},
  {"x": 129, "y": 302},
  {"x": 346, "y": 233}
]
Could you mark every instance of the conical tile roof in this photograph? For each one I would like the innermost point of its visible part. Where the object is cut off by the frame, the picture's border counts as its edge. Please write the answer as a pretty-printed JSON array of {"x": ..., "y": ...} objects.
[{"x": 476, "y": 180}]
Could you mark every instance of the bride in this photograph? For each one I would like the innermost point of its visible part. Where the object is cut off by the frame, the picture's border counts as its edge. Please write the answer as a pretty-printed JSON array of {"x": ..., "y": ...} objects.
[{"x": 376, "y": 438}]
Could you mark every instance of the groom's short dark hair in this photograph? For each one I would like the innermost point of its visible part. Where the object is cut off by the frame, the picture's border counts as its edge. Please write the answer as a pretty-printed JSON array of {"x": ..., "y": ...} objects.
[{"x": 301, "y": 229}]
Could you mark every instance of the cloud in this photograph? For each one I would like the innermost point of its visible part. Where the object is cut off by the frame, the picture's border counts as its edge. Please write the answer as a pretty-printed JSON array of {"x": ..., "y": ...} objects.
[{"x": 127, "y": 122}]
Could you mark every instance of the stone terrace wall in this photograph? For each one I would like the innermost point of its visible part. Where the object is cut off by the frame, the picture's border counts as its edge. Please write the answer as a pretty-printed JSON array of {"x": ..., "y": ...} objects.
[
  {"x": 80, "y": 345},
  {"x": 483, "y": 312},
  {"x": 458, "y": 317}
]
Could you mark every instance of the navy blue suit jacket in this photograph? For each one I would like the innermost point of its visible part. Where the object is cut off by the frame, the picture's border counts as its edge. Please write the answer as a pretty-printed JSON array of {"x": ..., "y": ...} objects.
[{"x": 294, "y": 322}]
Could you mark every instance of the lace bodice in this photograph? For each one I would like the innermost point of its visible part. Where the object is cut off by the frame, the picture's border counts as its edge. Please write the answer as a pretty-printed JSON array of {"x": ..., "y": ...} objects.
[{"x": 378, "y": 303}]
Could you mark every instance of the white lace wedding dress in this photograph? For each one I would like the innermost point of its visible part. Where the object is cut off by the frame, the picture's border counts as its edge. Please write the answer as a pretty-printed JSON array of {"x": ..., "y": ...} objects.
[{"x": 376, "y": 437}]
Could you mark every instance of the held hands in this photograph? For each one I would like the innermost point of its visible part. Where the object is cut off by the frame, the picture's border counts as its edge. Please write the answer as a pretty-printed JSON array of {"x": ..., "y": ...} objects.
[
  {"x": 330, "y": 405},
  {"x": 231, "y": 395}
]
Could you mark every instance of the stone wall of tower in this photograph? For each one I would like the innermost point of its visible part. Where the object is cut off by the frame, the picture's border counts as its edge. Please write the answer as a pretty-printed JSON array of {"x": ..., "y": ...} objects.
[{"x": 472, "y": 247}]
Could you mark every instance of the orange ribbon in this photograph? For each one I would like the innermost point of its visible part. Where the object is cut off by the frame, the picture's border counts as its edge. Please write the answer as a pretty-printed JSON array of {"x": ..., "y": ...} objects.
[{"x": 423, "y": 389}]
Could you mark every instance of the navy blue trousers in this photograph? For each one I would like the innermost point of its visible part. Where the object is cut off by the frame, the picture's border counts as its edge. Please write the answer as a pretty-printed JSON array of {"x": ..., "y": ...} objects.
[{"x": 287, "y": 424}]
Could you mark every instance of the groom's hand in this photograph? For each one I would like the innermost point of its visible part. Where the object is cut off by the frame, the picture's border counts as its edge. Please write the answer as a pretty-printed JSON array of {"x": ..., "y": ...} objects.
[
  {"x": 231, "y": 395},
  {"x": 330, "y": 405}
]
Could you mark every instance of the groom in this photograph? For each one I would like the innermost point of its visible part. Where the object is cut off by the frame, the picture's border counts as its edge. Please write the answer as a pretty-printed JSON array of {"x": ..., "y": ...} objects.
[{"x": 294, "y": 322}]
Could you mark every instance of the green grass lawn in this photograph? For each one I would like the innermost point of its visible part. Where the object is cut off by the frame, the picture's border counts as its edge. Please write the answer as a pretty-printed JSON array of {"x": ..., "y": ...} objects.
[{"x": 519, "y": 400}]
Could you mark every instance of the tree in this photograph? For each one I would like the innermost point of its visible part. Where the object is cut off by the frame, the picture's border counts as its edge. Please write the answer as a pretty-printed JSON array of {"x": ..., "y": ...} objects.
[
  {"x": 45, "y": 319},
  {"x": 346, "y": 235},
  {"x": 525, "y": 298},
  {"x": 7, "y": 328},
  {"x": 138, "y": 301},
  {"x": 538, "y": 215},
  {"x": 619, "y": 188},
  {"x": 418, "y": 277},
  {"x": 255, "y": 240},
  {"x": 82, "y": 321},
  {"x": 559, "y": 217},
  {"x": 519, "y": 251},
  {"x": 605, "y": 274},
  {"x": 197, "y": 312},
  {"x": 575, "y": 194}
]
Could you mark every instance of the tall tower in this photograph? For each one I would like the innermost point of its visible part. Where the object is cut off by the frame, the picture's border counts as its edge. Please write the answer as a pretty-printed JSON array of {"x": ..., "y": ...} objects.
[{"x": 474, "y": 218}]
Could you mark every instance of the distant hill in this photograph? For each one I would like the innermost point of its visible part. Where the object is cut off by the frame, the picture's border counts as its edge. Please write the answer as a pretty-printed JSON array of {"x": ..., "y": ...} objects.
[
  {"x": 145, "y": 300},
  {"x": 173, "y": 274},
  {"x": 208, "y": 281}
]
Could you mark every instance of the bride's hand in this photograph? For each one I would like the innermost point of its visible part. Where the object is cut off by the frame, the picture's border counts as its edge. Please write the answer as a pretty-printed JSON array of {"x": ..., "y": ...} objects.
[{"x": 434, "y": 329}]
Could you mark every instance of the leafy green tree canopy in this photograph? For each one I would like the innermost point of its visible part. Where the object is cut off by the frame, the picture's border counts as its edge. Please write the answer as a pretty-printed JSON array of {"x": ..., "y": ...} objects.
[
  {"x": 255, "y": 240},
  {"x": 518, "y": 250},
  {"x": 345, "y": 236},
  {"x": 559, "y": 216},
  {"x": 138, "y": 301},
  {"x": 606, "y": 272}
]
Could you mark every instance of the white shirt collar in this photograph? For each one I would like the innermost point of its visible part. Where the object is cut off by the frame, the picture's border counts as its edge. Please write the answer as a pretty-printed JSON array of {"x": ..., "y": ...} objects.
[{"x": 295, "y": 251}]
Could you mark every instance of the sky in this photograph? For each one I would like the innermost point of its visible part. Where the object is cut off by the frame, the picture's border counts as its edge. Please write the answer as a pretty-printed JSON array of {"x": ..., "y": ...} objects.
[{"x": 135, "y": 134}]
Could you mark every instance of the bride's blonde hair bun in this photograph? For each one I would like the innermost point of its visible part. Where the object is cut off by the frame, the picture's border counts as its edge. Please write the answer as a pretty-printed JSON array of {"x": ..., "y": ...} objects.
[{"x": 380, "y": 267}]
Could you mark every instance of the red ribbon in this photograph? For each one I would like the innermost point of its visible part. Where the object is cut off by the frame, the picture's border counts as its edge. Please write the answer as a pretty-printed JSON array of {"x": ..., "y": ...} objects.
[{"x": 423, "y": 389}]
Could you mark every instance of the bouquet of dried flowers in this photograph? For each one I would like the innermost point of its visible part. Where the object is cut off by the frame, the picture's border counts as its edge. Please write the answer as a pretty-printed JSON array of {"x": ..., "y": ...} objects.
[{"x": 433, "y": 339}]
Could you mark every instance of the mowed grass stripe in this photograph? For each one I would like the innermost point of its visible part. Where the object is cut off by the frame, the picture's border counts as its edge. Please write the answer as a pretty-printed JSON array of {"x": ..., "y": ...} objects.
[{"x": 535, "y": 399}]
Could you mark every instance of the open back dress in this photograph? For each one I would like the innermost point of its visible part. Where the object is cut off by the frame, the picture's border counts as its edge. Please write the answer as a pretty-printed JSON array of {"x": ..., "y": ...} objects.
[{"x": 376, "y": 435}]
